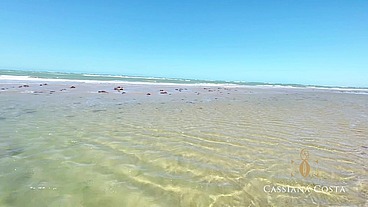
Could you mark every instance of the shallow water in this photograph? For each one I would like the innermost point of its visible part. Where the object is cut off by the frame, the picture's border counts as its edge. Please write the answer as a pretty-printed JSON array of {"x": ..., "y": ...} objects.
[{"x": 88, "y": 149}]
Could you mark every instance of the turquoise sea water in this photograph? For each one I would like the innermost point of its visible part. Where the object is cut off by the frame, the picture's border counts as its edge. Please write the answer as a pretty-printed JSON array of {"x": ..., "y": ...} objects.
[
  {"x": 200, "y": 146},
  {"x": 109, "y": 77}
]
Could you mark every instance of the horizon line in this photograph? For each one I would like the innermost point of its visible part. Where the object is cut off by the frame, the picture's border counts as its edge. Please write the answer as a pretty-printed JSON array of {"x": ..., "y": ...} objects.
[{"x": 237, "y": 82}]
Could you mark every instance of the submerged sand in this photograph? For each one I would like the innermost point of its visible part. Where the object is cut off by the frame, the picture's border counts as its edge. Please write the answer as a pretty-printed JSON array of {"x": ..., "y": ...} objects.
[{"x": 180, "y": 145}]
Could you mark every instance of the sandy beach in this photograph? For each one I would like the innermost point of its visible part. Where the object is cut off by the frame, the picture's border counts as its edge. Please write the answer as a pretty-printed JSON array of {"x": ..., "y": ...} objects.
[{"x": 73, "y": 143}]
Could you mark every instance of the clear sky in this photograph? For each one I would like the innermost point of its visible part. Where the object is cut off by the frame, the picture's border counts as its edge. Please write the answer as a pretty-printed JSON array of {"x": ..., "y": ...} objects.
[{"x": 323, "y": 42}]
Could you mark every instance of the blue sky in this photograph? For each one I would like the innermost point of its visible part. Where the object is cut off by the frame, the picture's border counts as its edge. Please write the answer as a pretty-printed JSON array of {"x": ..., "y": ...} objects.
[{"x": 306, "y": 42}]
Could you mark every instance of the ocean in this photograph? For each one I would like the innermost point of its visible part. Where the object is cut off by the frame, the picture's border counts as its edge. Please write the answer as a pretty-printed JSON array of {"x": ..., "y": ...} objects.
[
  {"x": 8, "y": 74},
  {"x": 102, "y": 140}
]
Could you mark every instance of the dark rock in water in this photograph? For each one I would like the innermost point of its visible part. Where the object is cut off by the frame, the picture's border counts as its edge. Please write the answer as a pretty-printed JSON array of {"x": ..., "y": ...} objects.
[
  {"x": 20, "y": 86},
  {"x": 25, "y": 86},
  {"x": 98, "y": 110},
  {"x": 123, "y": 92},
  {"x": 3, "y": 89},
  {"x": 181, "y": 89},
  {"x": 163, "y": 92},
  {"x": 148, "y": 94},
  {"x": 63, "y": 89},
  {"x": 29, "y": 111},
  {"x": 119, "y": 88},
  {"x": 43, "y": 84},
  {"x": 101, "y": 91},
  {"x": 72, "y": 86},
  {"x": 15, "y": 151},
  {"x": 52, "y": 91}
]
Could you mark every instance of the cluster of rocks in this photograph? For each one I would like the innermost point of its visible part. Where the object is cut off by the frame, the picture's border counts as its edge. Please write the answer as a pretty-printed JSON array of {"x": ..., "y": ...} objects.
[
  {"x": 163, "y": 92},
  {"x": 180, "y": 89},
  {"x": 119, "y": 88},
  {"x": 38, "y": 92},
  {"x": 26, "y": 85}
]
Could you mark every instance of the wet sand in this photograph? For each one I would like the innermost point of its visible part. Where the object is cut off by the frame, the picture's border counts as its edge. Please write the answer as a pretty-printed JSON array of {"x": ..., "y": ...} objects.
[{"x": 179, "y": 145}]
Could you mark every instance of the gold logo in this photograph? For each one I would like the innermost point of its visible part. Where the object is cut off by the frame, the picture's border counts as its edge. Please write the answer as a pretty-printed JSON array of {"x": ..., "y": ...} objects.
[{"x": 304, "y": 166}]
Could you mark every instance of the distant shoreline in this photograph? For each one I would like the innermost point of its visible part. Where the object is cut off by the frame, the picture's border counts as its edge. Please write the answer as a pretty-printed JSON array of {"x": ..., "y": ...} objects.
[{"x": 19, "y": 75}]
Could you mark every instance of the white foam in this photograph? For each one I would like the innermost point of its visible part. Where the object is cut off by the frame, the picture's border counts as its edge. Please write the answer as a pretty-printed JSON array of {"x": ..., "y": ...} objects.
[
  {"x": 40, "y": 80},
  {"x": 352, "y": 90},
  {"x": 13, "y": 79},
  {"x": 124, "y": 76}
]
